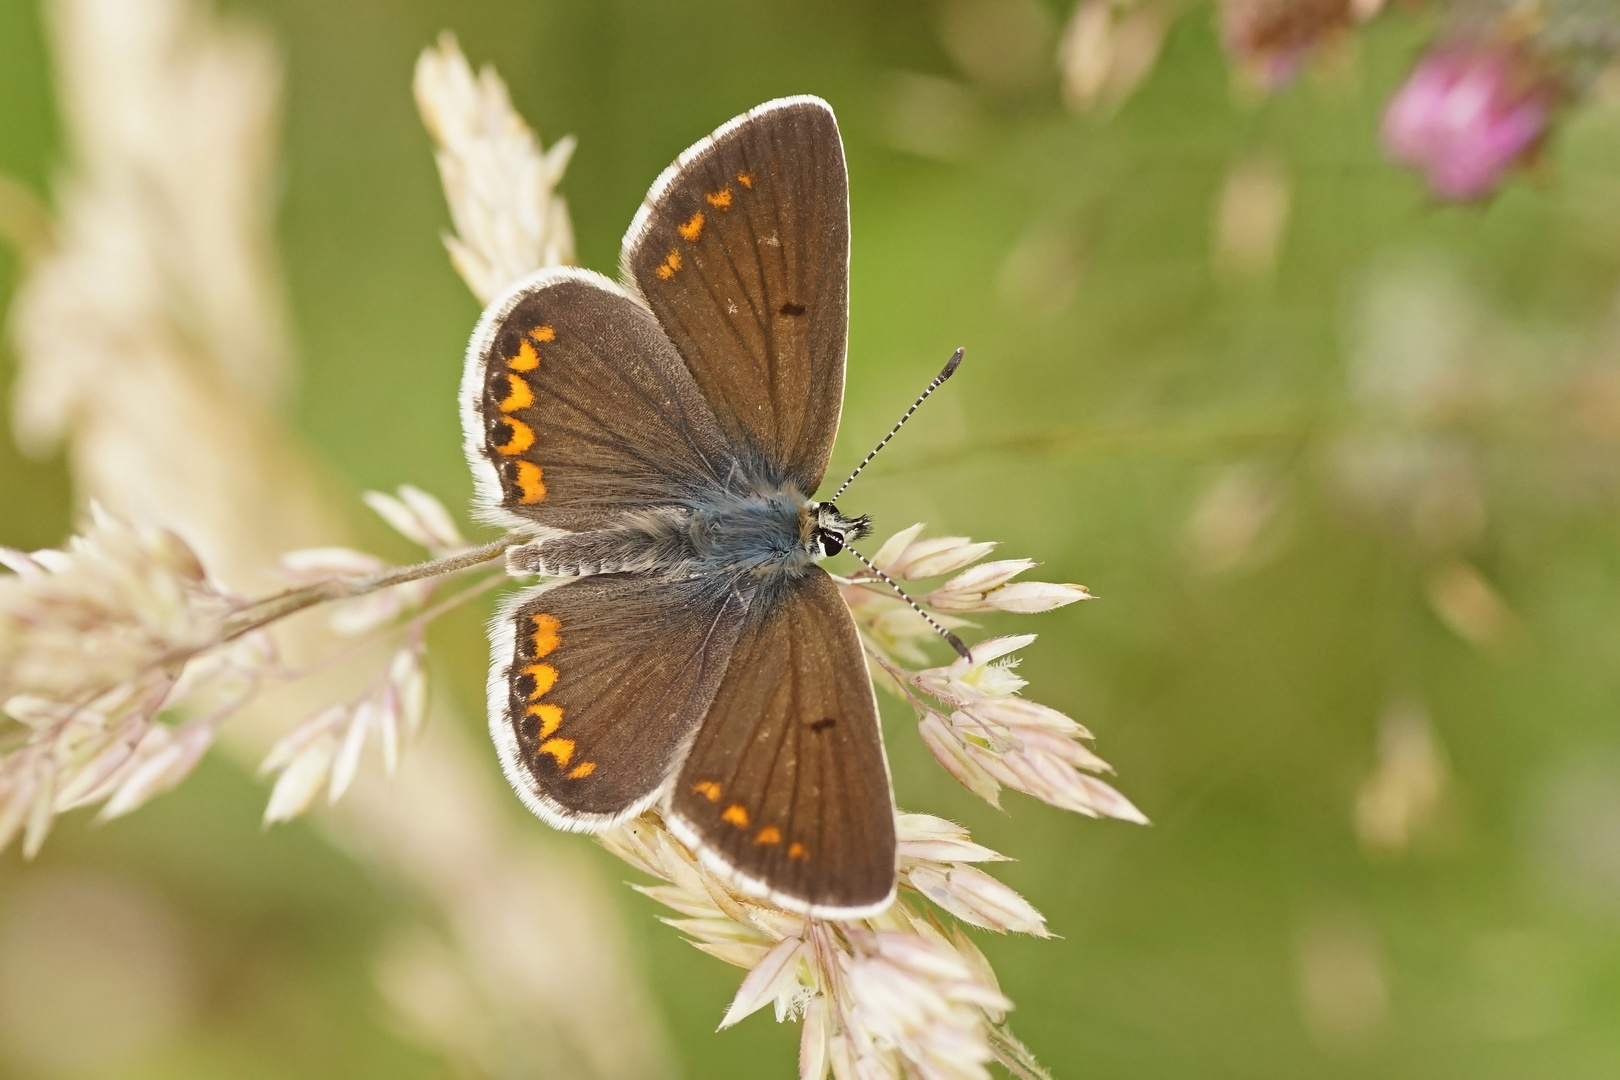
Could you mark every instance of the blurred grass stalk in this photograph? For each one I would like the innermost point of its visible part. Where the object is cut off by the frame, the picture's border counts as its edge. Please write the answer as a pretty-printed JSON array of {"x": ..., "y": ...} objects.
[{"x": 152, "y": 341}]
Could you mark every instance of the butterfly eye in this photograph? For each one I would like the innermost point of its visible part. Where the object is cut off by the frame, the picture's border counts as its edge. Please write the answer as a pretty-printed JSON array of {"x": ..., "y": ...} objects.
[{"x": 831, "y": 543}]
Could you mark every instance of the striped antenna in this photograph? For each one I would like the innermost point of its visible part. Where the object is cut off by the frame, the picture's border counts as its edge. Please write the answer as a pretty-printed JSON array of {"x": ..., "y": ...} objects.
[
  {"x": 939, "y": 380},
  {"x": 956, "y": 642}
]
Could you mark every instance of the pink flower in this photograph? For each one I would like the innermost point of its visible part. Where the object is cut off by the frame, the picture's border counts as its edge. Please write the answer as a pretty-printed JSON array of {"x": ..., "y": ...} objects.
[{"x": 1466, "y": 115}]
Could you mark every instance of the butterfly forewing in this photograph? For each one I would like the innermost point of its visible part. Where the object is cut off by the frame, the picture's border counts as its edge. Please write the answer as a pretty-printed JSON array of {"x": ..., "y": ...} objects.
[
  {"x": 597, "y": 686},
  {"x": 576, "y": 408},
  {"x": 742, "y": 251},
  {"x": 786, "y": 788}
]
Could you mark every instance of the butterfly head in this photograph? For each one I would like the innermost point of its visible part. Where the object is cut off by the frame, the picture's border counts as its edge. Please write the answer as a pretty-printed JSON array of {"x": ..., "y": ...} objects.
[{"x": 833, "y": 531}]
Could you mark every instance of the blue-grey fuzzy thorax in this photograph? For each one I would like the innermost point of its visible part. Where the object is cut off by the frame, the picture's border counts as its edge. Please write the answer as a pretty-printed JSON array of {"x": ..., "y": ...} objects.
[{"x": 753, "y": 532}]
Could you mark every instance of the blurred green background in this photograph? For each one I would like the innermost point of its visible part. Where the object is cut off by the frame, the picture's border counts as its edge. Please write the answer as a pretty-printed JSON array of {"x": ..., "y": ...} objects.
[{"x": 1350, "y": 505}]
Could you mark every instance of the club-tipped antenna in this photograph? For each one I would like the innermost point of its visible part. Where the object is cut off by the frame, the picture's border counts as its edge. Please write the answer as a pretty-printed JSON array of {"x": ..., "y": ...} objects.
[
  {"x": 956, "y": 642},
  {"x": 939, "y": 380}
]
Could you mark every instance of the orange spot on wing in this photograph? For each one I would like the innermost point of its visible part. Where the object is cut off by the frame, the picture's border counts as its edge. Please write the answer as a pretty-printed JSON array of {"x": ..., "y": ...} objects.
[
  {"x": 518, "y": 395},
  {"x": 561, "y": 749},
  {"x": 530, "y": 482},
  {"x": 526, "y": 359},
  {"x": 544, "y": 676},
  {"x": 667, "y": 268},
  {"x": 736, "y": 814},
  {"x": 521, "y": 439},
  {"x": 545, "y": 634},
  {"x": 745, "y": 179},
  {"x": 798, "y": 851},
  {"x": 708, "y": 789},
  {"x": 720, "y": 200},
  {"x": 549, "y": 718},
  {"x": 543, "y": 333},
  {"x": 582, "y": 770},
  {"x": 692, "y": 229},
  {"x": 770, "y": 834}
]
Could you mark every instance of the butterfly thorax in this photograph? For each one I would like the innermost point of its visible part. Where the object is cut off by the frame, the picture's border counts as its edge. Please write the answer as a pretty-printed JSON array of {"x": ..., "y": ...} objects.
[{"x": 760, "y": 530}]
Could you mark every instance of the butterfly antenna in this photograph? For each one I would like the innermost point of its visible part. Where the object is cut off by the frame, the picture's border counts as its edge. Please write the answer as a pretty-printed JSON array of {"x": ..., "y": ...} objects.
[
  {"x": 939, "y": 380},
  {"x": 956, "y": 642}
]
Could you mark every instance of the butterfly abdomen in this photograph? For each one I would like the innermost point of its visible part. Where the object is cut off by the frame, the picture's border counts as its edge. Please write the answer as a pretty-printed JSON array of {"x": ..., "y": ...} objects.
[{"x": 642, "y": 542}]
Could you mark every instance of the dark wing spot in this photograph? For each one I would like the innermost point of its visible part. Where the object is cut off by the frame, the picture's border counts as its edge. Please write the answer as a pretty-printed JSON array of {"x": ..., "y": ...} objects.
[
  {"x": 791, "y": 309},
  {"x": 823, "y": 724}
]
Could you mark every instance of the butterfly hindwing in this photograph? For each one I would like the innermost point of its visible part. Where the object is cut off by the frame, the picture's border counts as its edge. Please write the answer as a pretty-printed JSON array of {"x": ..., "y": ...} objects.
[
  {"x": 575, "y": 407},
  {"x": 597, "y": 684},
  {"x": 786, "y": 789},
  {"x": 741, "y": 249}
]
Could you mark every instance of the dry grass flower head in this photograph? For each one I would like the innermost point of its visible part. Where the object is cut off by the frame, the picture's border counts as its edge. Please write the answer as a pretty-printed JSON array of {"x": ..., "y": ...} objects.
[{"x": 500, "y": 184}]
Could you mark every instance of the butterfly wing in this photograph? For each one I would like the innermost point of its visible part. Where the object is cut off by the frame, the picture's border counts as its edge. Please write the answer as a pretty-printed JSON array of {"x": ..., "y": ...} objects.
[
  {"x": 575, "y": 407},
  {"x": 597, "y": 685},
  {"x": 741, "y": 249},
  {"x": 786, "y": 790}
]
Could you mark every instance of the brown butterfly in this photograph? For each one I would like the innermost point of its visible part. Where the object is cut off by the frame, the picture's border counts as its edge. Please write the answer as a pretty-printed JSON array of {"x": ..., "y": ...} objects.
[{"x": 662, "y": 440}]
